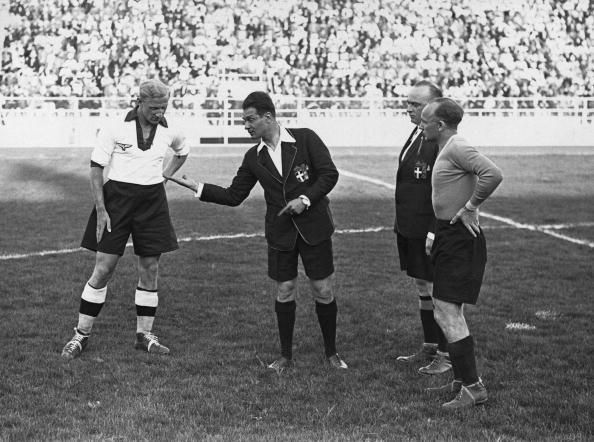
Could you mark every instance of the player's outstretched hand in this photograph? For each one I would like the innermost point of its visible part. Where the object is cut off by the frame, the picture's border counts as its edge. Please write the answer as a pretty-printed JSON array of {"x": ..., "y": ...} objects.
[{"x": 183, "y": 181}]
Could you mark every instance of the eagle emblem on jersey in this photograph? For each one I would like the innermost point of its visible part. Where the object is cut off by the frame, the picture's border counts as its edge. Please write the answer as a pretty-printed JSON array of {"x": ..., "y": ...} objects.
[
  {"x": 301, "y": 172},
  {"x": 123, "y": 146}
]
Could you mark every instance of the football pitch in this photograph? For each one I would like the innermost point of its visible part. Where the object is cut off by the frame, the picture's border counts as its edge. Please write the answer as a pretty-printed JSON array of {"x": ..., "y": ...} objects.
[{"x": 533, "y": 324}]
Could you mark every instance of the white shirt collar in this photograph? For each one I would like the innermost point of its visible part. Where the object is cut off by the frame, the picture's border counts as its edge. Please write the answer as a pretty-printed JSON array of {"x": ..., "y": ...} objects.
[{"x": 285, "y": 137}]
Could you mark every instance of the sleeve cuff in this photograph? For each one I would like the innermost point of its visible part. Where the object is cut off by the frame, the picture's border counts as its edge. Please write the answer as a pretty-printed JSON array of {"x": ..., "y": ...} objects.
[
  {"x": 470, "y": 207},
  {"x": 198, "y": 192}
]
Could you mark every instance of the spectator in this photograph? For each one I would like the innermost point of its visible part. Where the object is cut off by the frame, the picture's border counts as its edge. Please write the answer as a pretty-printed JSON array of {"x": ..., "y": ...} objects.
[{"x": 326, "y": 48}]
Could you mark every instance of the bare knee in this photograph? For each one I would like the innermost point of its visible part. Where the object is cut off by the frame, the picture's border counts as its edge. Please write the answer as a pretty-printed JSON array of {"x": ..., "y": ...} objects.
[
  {"x": 103, "y": 271},
  {"x": 285, "y": 291},
  {"x": 450, "y": 318},
  {"x": 322, "y": 290}
]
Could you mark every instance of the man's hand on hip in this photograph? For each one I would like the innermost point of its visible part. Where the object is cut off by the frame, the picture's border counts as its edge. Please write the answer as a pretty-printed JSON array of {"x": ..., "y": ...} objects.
[{"x": 470, "y": 219}]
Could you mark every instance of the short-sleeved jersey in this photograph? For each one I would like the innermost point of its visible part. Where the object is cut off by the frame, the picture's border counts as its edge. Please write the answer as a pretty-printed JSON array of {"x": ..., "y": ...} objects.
[{"x": 117, "y": 149}]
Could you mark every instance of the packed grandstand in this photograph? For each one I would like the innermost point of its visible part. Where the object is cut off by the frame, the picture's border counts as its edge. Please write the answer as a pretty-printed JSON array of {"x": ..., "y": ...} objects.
[{"x": 323, "y": 48}]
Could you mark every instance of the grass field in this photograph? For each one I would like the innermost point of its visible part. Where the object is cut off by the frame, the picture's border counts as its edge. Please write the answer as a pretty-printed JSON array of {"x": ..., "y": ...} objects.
[{"x": 533, "y": 324}]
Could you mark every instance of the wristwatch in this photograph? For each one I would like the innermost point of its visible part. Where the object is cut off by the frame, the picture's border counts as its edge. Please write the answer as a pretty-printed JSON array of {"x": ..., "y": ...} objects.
[{"x": 305, "y": 200}]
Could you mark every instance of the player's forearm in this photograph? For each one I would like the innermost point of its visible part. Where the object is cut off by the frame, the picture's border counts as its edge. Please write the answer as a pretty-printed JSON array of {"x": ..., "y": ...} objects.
[
  {"x": 486, "y": 185},
  {"x": 489, "y": 176},
  {"x": 174, "y": 164},
  {"x": 97, "y": 187}
]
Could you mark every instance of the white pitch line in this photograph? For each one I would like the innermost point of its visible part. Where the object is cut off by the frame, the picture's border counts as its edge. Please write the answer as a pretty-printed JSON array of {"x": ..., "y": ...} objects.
[
  {"x": 191, "y": 238},
  {"x": 547, "y": 230},
  {"x": 16, "y": 256},
  {"x": 40, "y": 253},
  {"x": 566, "y": 226}
]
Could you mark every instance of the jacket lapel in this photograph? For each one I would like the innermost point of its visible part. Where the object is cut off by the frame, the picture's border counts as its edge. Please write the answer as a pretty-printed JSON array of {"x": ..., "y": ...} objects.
[
  {"x": 408, "y": 140},
  {"x": 265, "y": 161},
  {"x": 288, "y": 152},
  {"x": 414, "y": 147}
]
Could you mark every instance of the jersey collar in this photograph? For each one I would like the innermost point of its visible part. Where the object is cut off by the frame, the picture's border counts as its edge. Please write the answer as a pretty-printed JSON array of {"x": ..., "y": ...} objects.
[{"x": 133, "y": 115}]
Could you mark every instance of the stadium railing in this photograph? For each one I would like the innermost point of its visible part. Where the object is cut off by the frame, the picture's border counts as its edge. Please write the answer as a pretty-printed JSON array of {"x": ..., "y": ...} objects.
[{"x": 75, "y": 121}]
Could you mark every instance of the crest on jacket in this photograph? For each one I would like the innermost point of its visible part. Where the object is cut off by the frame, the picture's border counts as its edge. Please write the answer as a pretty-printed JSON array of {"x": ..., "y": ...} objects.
[
  {"x": 421, "y": 170},
  {"x": 301, "y": 172}
]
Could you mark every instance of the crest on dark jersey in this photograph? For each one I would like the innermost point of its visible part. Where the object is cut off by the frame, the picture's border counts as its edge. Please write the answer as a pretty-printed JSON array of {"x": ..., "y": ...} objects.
[
  {"x": 301, "y": 172},
  {"x": 123, "y": 146},
  {"x": 421, "y": 170}
]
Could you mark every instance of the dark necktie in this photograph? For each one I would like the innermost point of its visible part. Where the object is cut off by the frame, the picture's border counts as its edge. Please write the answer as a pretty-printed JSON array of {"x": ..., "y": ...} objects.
[{"x": 265, "y": 160}]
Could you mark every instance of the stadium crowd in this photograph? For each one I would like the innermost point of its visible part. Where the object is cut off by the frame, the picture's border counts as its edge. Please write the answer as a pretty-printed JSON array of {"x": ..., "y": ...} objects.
[{"x": 321, "y": 48}]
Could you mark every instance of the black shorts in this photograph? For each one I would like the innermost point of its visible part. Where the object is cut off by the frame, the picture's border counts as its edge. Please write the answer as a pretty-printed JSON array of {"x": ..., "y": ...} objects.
[
  {"x": 317, "y": 260},
  {"x": 413, "y": 258},
  {"x": 140, "y": 211},
  {"x": 459, "y": 262}
]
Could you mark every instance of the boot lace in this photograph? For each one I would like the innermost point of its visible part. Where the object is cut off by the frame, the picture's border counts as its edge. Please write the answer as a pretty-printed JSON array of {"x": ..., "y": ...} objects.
[{"x": 75, "y": 343}]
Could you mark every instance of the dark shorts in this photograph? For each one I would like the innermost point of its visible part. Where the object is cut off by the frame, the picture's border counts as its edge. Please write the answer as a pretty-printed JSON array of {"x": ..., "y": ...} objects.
[
  {"x": 459, "y": 262},
  {"x": 413, "y": 258},
  {"x": 317, "y": 260},
  {"x": 140, "y": 211}
]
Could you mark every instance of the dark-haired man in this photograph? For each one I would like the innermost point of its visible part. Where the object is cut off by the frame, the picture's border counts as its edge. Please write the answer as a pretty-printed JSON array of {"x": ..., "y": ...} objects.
[
  {"x": 414, "y": 227},
  {"x": 462, "y": 179},
  {"x": 295, "y": 169}
]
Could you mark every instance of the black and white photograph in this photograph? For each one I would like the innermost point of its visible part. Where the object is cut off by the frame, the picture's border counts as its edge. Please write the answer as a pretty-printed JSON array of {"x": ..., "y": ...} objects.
[{"x": 296, "y": 220}]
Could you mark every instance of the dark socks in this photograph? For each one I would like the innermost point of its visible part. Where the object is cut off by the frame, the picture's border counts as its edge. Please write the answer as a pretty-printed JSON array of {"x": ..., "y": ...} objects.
[
  {"x": 285, "y": 316},
  {"x": 327, "y": 318},
  {"x": 463, "y": 360},
  {"x": 442, "y": 343},
  {"x": 90, "y": 308},
  {"x": 430, "y": 328}
]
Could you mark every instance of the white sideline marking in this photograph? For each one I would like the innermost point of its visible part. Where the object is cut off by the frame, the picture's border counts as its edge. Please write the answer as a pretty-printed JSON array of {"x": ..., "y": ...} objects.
[
  {"x": 565, "y": 226},
  {"x": 250, "y": 235},
  {"x": 547, "y": 230},
  {"x": 186, "y": 239}
]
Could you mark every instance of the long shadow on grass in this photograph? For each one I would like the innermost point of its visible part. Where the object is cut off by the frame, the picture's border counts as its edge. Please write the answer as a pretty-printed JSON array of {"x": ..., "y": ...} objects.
[
  {"x": 67, "y": 185},
  {"x": 35, "y": 225}
]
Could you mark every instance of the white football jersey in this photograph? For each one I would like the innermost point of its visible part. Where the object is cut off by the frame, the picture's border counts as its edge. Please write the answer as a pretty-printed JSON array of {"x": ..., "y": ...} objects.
[{"x": 117, "y": 150}]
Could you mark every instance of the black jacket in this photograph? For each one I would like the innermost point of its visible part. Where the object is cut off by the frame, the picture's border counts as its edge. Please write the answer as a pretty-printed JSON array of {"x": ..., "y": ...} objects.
[
  {"x": 414, "y": 211},
  {"x": 307, "y": 170}
]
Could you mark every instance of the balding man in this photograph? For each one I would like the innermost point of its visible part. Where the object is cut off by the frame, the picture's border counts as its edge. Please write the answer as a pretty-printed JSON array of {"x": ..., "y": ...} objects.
[
  {"x": 131, "y": 202},
  {"x": 462, "y": 180},
  {"x": 414, "y": 227}
]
